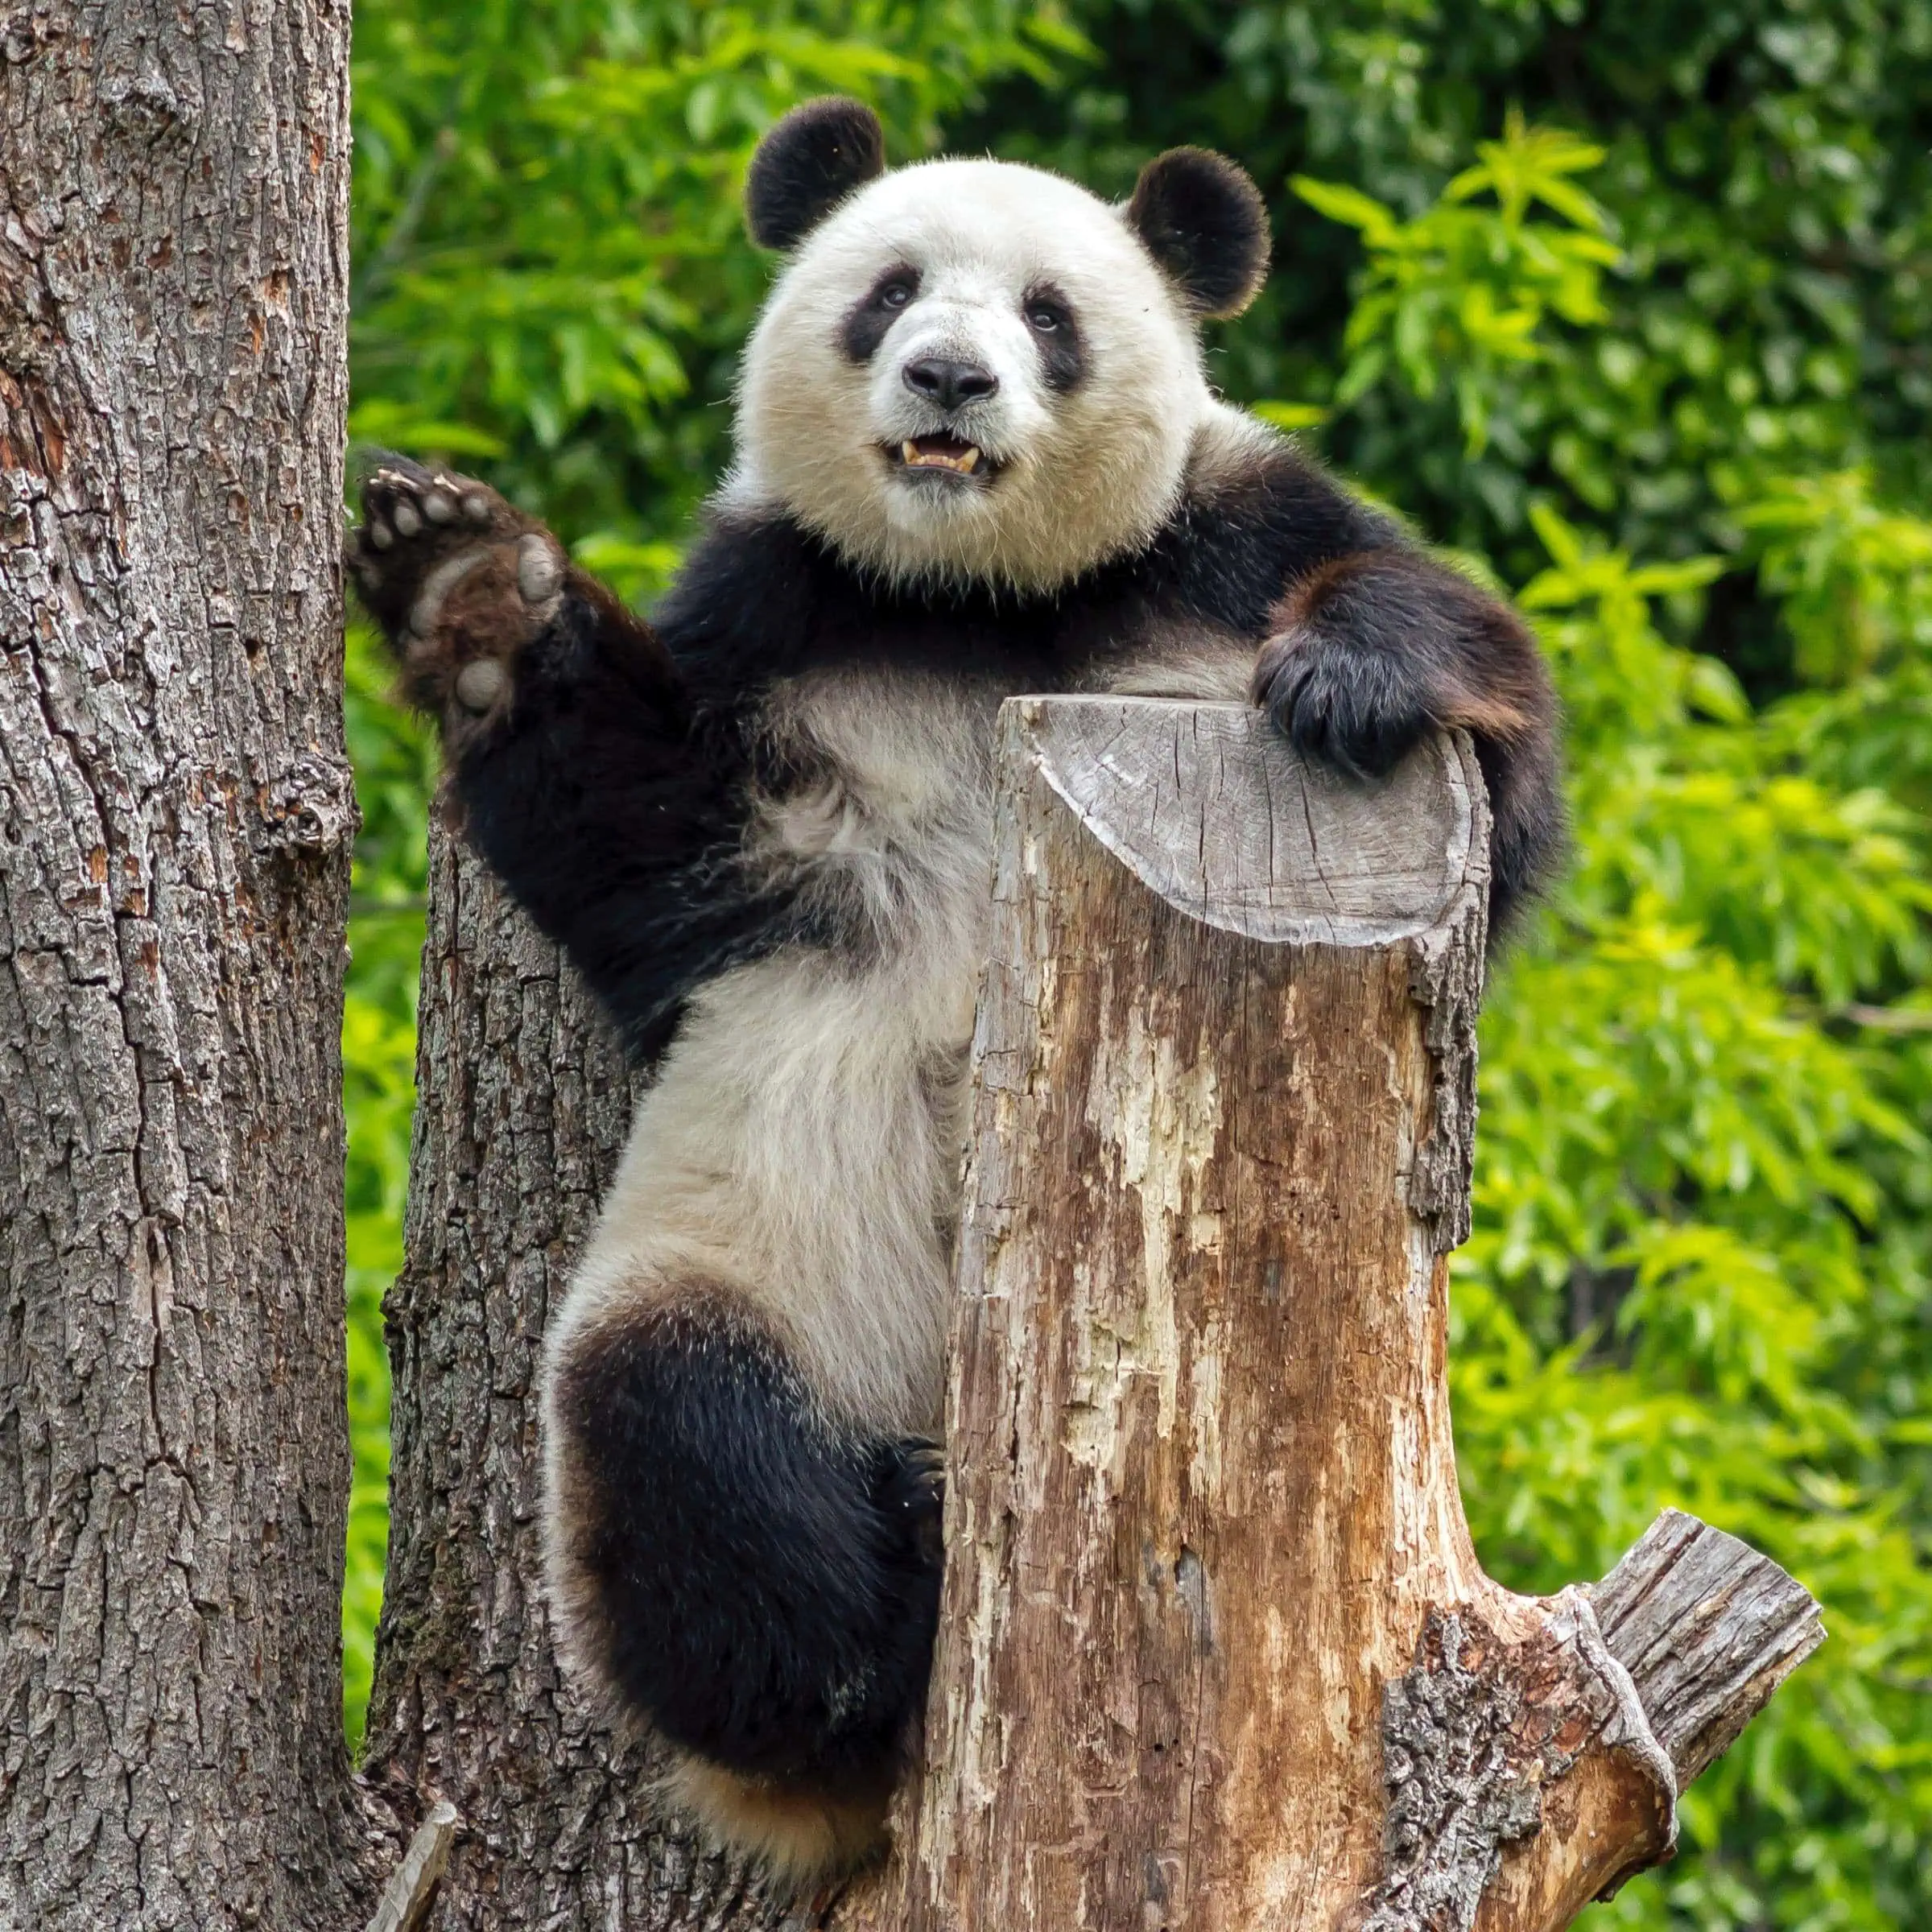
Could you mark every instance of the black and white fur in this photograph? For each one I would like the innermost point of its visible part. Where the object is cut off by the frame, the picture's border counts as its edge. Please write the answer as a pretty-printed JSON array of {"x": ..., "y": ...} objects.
[{"x": 761, "y": 825}]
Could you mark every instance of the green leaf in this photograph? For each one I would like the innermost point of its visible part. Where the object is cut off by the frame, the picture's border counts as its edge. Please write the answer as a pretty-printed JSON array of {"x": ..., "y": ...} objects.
[{"x": 1291, "y": 416}]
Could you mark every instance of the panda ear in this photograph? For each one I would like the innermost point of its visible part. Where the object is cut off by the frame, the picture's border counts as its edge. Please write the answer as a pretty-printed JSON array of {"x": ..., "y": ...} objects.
[
  {"x": 1205, "y": 223},
  {"x": 808, "y": 164}
]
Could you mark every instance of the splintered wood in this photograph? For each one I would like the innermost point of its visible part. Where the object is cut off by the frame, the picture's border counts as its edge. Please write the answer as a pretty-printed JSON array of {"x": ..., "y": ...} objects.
[{"x": 1215, "y": 1651}]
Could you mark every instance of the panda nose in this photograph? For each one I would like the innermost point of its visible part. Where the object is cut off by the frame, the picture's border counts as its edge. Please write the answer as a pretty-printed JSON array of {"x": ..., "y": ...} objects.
[{"x": 949, "y": 384}]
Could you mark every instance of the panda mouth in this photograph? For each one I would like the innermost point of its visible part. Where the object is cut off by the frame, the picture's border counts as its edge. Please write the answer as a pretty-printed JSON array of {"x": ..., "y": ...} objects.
[{"x": 942, "y": 455}]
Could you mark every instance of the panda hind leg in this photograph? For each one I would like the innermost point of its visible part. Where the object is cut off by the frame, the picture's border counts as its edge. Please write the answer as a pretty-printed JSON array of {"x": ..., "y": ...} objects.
[{"x": 755, "y": 1581}]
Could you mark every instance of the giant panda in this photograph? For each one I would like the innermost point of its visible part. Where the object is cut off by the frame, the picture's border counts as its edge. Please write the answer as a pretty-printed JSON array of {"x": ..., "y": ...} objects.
[{"x": 977, "y": 453}]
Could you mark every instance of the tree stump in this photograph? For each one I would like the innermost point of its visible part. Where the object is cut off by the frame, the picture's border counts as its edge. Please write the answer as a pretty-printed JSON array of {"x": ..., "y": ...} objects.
[{"x": 1215, "y": 1649}]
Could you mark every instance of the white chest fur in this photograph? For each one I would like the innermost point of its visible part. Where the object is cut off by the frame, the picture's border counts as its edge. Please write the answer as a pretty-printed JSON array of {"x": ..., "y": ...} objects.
[{"x": 800, "y": 1149}]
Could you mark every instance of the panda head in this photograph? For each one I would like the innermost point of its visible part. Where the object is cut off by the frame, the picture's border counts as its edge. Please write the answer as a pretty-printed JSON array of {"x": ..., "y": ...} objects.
[{"x": 976, "y": 373}]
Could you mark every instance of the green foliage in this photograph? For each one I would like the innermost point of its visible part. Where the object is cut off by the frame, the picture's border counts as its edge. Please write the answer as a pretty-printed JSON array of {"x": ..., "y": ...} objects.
[
  {"x": 1463, "y": 291},
  {"x": 1632, "y": 310}
]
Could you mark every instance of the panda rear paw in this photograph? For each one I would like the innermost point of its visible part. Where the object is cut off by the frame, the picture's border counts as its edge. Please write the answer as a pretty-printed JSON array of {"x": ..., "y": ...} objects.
[
  {"x": 911, "y": 1492},
  {"x": 460, "y": 583}
]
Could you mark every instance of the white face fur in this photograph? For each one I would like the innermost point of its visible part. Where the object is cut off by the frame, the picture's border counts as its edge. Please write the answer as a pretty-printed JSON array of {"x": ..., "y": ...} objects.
[{"x": 965, "y": 262}]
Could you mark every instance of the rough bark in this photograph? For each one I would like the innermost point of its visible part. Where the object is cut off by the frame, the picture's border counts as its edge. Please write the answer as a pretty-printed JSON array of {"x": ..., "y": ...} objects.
[{"x": 174, "y": 866}]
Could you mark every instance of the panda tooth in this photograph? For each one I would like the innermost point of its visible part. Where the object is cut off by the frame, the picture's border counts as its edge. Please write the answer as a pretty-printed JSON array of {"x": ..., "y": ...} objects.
[
  {"x": 909, "y": 452},
  {"x": 966, "y": 462}
]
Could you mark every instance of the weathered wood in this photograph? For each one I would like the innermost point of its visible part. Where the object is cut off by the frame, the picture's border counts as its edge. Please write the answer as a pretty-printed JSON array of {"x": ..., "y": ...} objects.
[
  {"x": 1471, "y": 1736},
  {"x": 175, "y": 814},
  {"x": 1196, "y": 1404},
  {"x": 1692, "y": 1633},
  {"x": 1594, "y": 1796},
  {"x": 1708, "y": 1630},
  {"x": 405, "y": 1903},
  {"x": 1215, "y": 1651}
]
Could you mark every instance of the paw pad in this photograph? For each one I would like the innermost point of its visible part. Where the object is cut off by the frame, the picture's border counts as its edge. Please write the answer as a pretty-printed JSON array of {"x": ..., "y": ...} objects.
[
  {"x": 481, "y": 683},
  {"x": 458, "y": 579},
  {"x": 539, "y": 570}
]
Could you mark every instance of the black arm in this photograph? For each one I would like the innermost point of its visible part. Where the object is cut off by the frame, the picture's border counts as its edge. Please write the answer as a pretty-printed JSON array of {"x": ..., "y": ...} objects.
[{"x": 612, "y": 810}]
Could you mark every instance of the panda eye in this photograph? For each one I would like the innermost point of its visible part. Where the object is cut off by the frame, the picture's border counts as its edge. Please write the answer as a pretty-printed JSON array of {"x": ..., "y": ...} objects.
[
  {"x": 895, "y": 294},
  {"x": 1043, "y": 318}
]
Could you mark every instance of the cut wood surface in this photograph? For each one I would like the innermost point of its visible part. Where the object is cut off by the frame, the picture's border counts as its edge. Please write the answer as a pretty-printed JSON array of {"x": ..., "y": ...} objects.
[
  {"x": 1707, "y": 1629},
  {"x": 1215, "y": 1649}
]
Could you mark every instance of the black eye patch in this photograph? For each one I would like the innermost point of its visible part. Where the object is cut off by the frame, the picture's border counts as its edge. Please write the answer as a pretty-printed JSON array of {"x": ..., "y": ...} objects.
[
  {"x": 1049, "y": 318},
  {"x": 868, "y": 319}
]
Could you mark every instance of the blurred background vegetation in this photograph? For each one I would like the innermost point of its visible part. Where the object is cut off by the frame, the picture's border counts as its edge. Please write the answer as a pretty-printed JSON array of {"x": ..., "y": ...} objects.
[{"x": 1630, "y": 304}]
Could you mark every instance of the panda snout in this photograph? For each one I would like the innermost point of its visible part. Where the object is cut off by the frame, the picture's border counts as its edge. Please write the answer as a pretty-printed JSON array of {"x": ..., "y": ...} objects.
[{"x": 950, "y": 384}]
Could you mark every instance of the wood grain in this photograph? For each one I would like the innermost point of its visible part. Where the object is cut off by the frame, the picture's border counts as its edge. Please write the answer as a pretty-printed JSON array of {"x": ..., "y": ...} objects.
[
  {"x": 1208, "y": 808},
  {"x": 1708, "y": 1630},
  {"x": 1196, "y": 1407}
]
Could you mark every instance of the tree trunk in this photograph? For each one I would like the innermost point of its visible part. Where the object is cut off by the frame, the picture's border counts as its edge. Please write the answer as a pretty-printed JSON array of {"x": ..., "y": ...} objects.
[{"x": 174, "y": 869}]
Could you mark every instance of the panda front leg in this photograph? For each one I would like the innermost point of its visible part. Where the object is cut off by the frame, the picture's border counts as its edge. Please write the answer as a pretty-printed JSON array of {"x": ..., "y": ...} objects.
[
  {"x": 1375, "y": 649},
  {"x": 571, "y": 741},
  {"x": 756, "y": 1581}
]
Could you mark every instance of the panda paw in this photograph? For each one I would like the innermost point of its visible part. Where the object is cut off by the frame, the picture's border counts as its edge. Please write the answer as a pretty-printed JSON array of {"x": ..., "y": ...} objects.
[
  {"x": 1360, "y": 712},
  {"x": 910, "y": 1493},
  {"x": 459, "y": 581}
]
